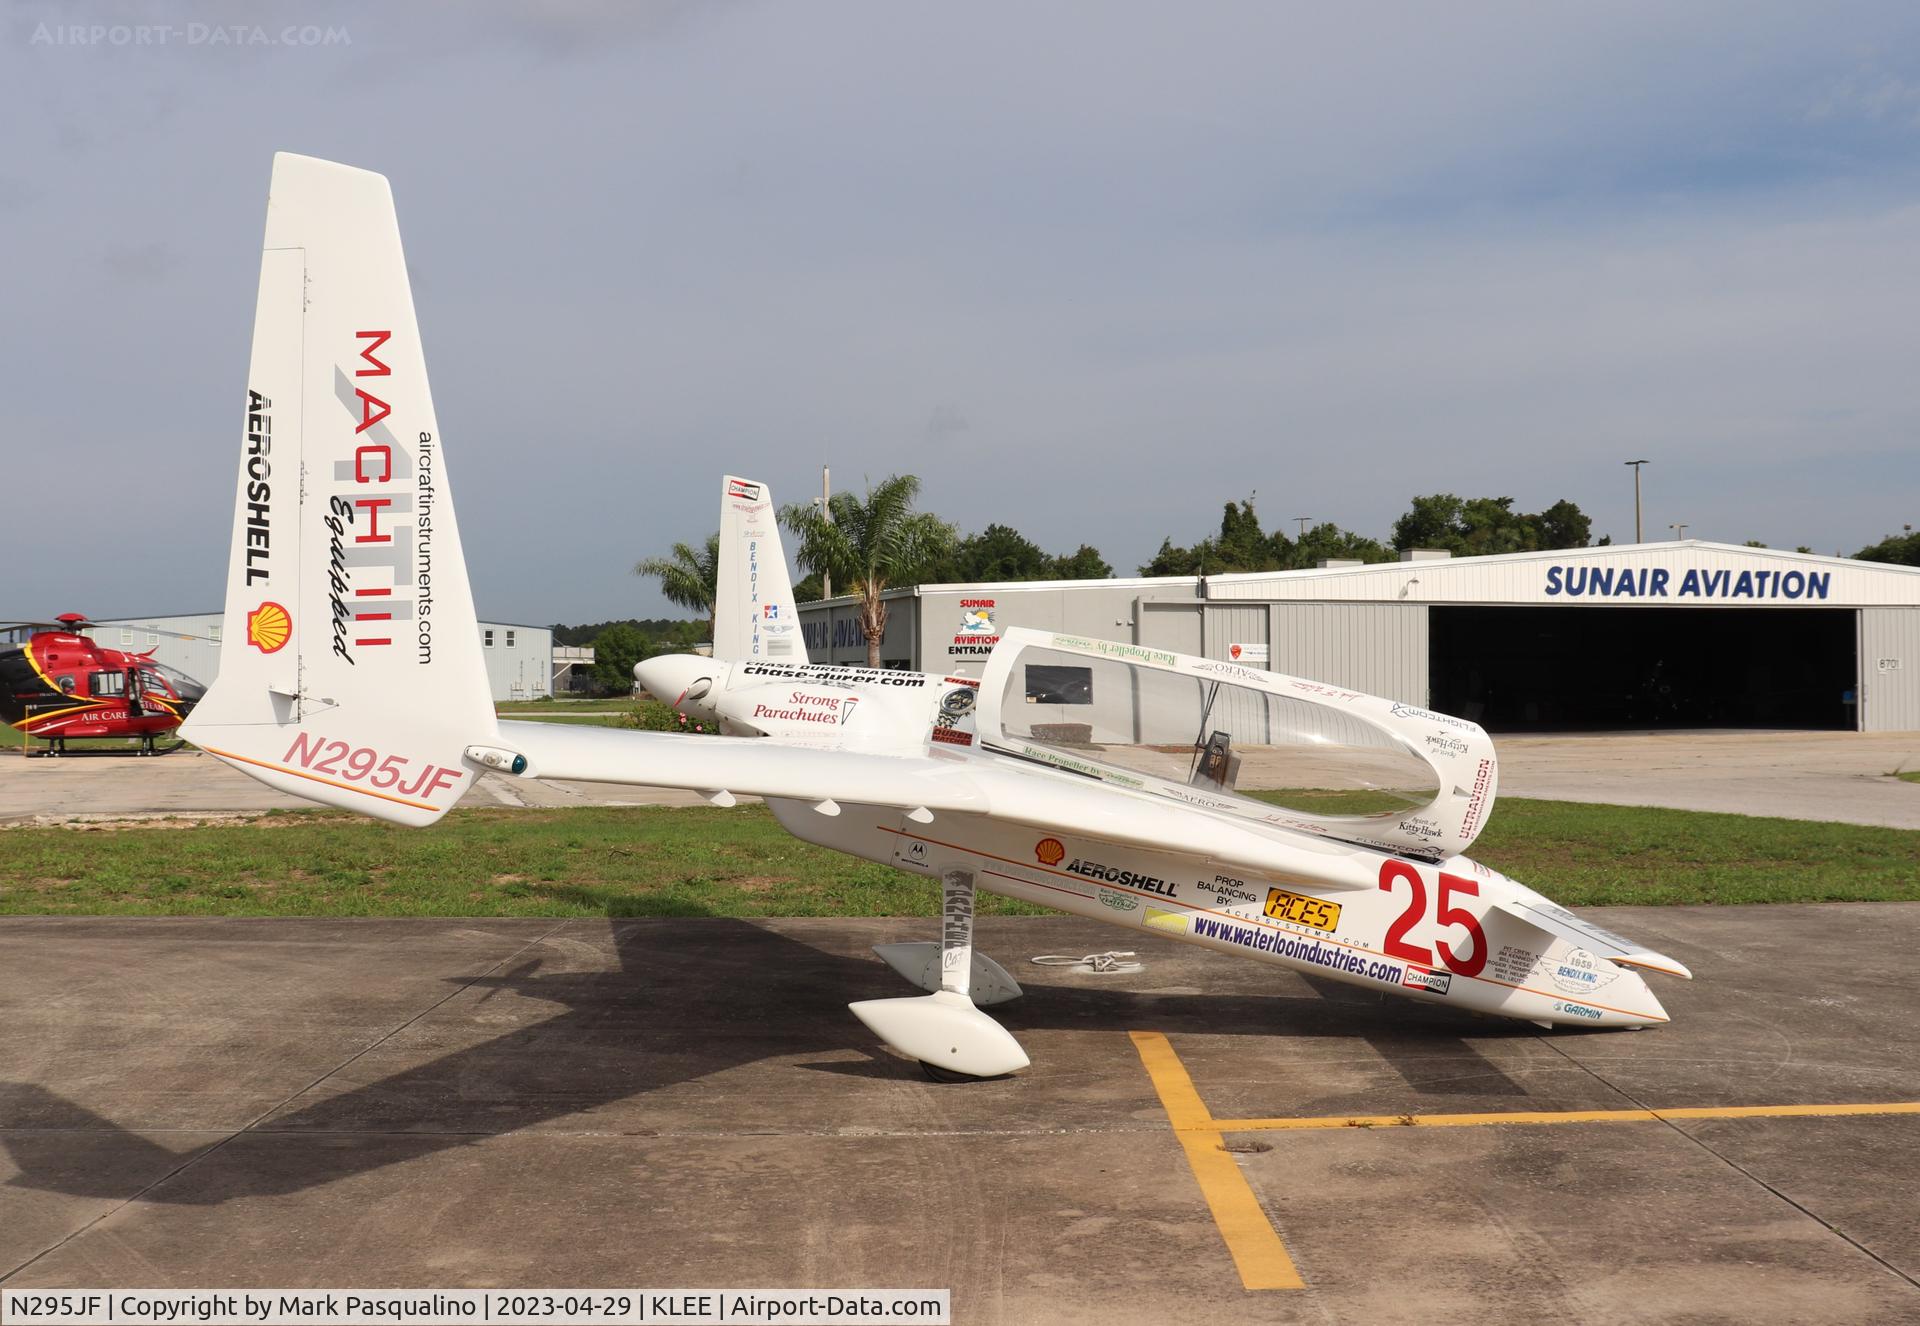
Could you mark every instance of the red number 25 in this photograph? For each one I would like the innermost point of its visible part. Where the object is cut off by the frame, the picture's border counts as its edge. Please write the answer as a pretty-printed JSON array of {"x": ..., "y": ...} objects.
[{"x": 1467, "y": 964}]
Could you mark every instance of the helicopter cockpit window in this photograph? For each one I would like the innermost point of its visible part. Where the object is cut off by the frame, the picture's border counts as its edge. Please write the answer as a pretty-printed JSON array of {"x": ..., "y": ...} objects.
[
  {"x": 106, "y": 684},
  {"x": 1176, "y": 734},
  {"x": 153, "y": 682}
]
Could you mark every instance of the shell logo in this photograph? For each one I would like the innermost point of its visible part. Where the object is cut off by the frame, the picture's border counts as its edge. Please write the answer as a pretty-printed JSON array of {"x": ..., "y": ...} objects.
[
  {"x": 1049, "y": 851},
  {"x": 269, "y": 627}
]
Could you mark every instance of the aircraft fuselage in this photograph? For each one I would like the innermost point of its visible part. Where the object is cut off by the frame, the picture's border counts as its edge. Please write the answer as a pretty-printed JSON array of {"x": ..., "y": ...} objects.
[{"x": 1428, "y": 931}]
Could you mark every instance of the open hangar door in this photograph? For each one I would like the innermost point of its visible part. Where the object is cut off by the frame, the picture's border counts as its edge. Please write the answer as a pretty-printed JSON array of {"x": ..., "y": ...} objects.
[{"x": 1563, "y": 669}]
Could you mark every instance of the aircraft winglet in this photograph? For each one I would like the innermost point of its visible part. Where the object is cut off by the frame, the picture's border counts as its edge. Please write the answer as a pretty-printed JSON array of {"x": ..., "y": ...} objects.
[{"x": 1618, "y": 949}]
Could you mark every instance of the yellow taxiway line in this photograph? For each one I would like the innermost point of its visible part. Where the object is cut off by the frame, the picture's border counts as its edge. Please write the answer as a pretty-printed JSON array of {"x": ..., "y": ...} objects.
[
  {"x": 1256, "y": 1248},
  {"x": 1251, "y": 1239},
  {"x": 1559, "y": 1116}
]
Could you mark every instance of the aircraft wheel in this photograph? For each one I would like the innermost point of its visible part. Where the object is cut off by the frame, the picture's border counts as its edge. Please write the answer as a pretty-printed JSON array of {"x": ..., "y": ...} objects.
[{"x": 948, "y": 1077}]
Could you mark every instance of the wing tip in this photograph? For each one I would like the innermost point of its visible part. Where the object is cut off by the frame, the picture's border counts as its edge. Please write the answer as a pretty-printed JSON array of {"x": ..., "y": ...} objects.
[{"x": 1666, "y": 965}]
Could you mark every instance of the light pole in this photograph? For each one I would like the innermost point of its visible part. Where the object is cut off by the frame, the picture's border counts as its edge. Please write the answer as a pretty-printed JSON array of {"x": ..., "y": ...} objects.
[
  {"x": 826, "y": 514},
  {"x": 1679, "y": 531},
  {"x": 1637, "y": 535},
  {"x": 1303, "y": 524}
]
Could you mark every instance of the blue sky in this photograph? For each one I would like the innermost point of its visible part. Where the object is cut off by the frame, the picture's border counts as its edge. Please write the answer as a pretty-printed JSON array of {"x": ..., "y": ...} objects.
[{"x": 1087, "y": 269}]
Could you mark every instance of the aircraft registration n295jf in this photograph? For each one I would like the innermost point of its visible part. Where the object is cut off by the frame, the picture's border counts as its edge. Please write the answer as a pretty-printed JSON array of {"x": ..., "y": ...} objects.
[{"x": 1123, "y": 808}]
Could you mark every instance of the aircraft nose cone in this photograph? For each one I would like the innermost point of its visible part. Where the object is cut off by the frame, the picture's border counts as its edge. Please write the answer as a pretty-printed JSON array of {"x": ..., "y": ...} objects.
[
  {"x": 1656, "y": 1011},
  {"x": 669, "y": 677},
  {"x": 655, "y": 677},
  {"x": 1629, "y": 1002}
]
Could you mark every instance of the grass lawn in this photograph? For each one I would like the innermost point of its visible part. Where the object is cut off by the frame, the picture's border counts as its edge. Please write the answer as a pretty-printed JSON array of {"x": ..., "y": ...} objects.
[
  {"x": 655, "y": 861},
  {"x": 1908, "y": 775},
  {"x": 602, "y": 705},
  {"x": 1594, "y": 855},
  {"x": 640, "y": 861},
  {"x": 11, "y": 744}
]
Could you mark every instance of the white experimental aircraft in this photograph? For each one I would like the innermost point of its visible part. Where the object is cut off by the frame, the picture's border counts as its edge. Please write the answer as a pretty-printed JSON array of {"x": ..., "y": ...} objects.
[{"x": 357, "y": 680}]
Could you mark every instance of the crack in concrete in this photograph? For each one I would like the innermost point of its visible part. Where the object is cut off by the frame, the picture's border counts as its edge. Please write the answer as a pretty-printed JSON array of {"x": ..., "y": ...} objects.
[{"x": 1736, "y": 1167}]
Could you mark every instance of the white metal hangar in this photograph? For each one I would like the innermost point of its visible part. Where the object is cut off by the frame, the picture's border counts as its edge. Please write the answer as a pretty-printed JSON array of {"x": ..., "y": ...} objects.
[
  {"x": 519, "y": 658},
  {"x": 1686, "y": 634}
]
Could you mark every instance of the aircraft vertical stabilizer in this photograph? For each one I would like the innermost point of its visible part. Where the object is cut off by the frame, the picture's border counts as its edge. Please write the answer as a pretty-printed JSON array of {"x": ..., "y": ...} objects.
[
  {"x": 347, "y": 604},
  {"x": 753, "y": 612}
]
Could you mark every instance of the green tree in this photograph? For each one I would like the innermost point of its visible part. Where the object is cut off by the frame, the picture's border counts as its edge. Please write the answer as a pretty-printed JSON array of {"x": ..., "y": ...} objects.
[
  {"x": 1173, "y": 561},
  {"x": 1431, "y": 522},
  {"x": 1478, "y": 526},
  {"x": 1900, "y": 549},
  {"x": 995, "y": 553},
  {"x": 652, "y": 628},
  {"x": 1564, "y": 525},
  {"x": 999, "y": 552},
  {"x": 689, "y": 577},
  {"x": 1327, "y": 542},
  {"x": 1491, "y": 525},
  {"x": 678, "y": 638},
  {"x": 615, "y": 651},
  {"x": 870, "y": 545},
  {"x": 1083, "y": 563},
  {"x": 1241, "y": 545}
]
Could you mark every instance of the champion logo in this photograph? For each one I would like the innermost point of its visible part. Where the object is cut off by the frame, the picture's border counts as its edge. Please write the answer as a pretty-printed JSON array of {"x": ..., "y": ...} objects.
[
  {"x": 1426, "y": 978},
  {"x": 741, "y": 488}
]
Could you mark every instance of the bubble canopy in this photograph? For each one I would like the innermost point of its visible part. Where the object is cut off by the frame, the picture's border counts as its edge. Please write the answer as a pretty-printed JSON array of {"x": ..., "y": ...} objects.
[{"x": 1254, "y": 745}]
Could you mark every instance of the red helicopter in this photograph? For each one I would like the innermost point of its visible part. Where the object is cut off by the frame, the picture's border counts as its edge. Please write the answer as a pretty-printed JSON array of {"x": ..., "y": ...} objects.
[{"x": 62, "y": 683}]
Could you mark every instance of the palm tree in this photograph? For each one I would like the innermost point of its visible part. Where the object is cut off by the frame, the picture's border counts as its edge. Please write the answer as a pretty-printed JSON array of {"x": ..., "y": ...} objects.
[
  {"x": 690, "y": 577},
  {"x": 871, "y": 546}
]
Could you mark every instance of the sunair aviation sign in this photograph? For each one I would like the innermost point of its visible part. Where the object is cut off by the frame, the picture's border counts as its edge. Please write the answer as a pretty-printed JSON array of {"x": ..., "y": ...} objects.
[{"x": 1657, "y": 582}]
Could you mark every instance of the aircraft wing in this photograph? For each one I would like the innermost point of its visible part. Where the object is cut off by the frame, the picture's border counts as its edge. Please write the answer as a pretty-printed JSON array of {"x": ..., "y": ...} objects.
[
  {"x": 996, "y": 787},
  {"x": 1558, "y": 922},
  {"x": 750, "y": 765}
]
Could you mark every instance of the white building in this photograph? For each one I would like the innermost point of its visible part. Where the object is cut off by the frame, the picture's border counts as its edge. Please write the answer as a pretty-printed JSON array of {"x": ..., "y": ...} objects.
[
  {"x": 572, "y": 668},
  {"x": 1682, "y": 634},
  {"x": 519, "y": 658}
]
